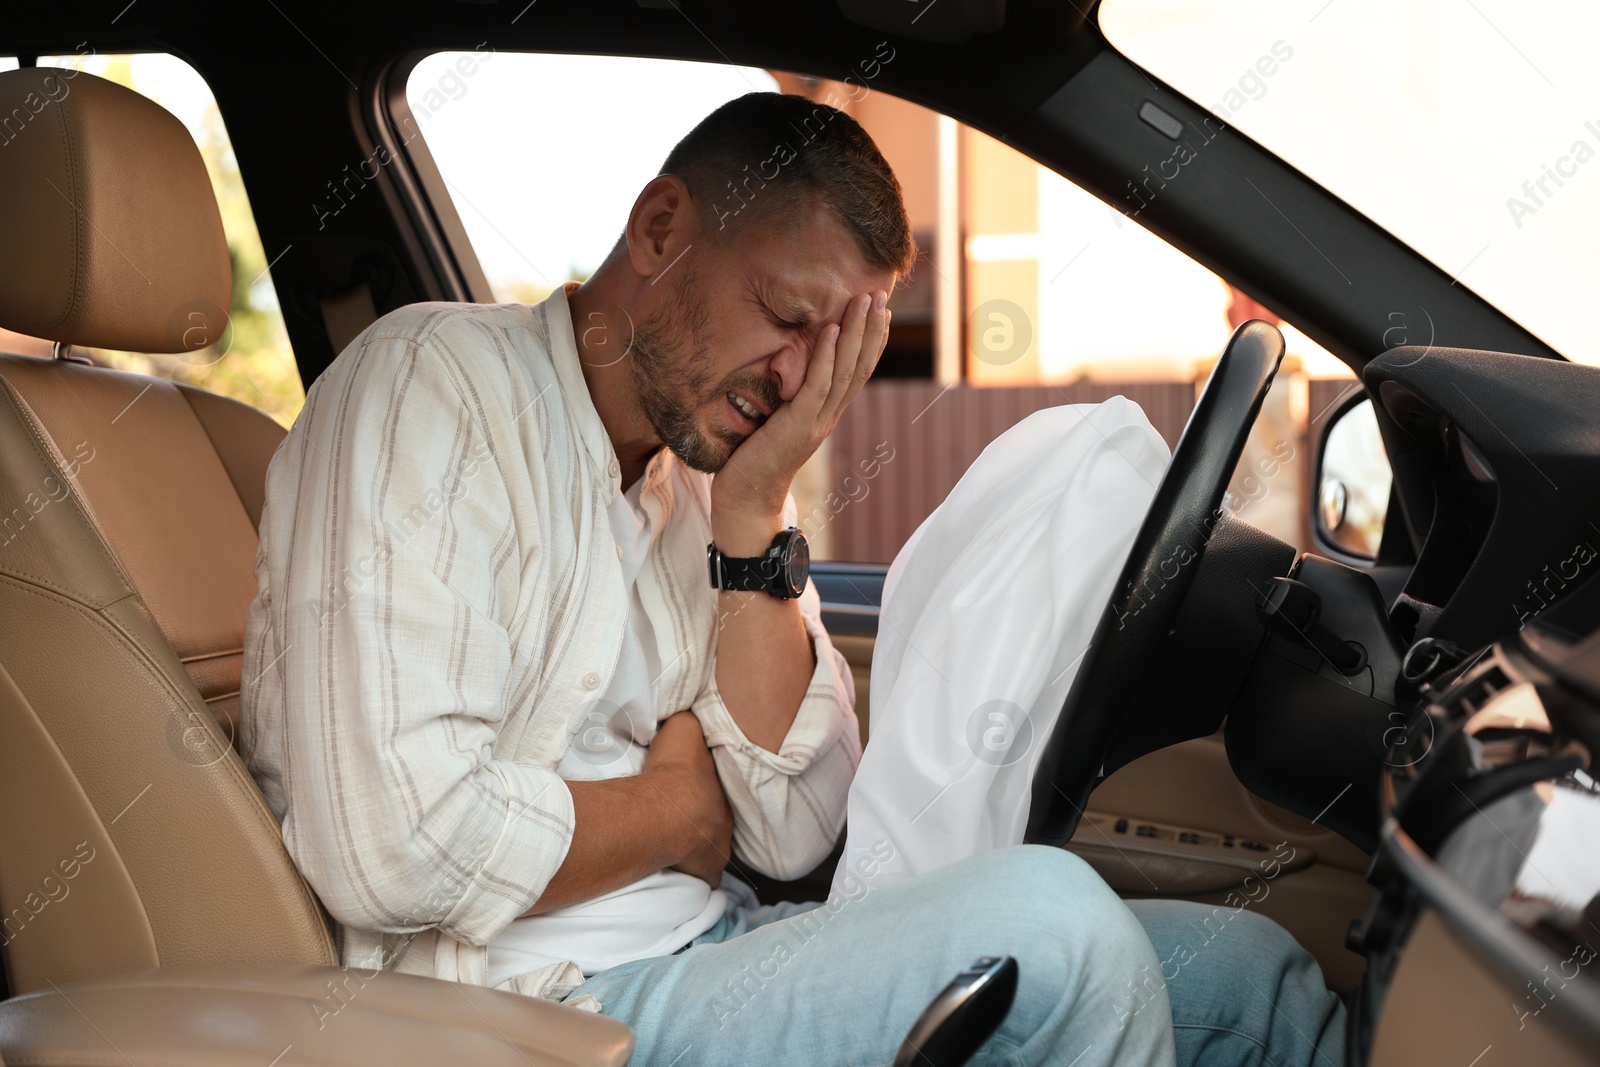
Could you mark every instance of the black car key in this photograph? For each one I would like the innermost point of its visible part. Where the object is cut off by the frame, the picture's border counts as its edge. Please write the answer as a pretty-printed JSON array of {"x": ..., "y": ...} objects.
[{"x": 963, "y": 1016}]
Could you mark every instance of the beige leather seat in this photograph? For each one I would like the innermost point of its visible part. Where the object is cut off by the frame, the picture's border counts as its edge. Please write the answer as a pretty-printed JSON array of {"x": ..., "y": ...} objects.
[
  {"x": 131, "y": 834},
  {"x": 126, "y": 564}
]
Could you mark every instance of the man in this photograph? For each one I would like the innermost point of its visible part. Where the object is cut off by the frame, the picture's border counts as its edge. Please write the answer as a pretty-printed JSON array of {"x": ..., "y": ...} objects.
[{"x": 514, "y": 735}]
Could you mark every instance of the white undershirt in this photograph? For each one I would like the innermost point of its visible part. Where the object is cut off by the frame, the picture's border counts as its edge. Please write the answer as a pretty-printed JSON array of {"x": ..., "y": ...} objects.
[{"x": 661, "y": 912}]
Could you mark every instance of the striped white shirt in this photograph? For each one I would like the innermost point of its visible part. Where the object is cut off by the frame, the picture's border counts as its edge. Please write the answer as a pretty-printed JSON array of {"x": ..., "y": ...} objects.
[{"x": 441, "y": 605}]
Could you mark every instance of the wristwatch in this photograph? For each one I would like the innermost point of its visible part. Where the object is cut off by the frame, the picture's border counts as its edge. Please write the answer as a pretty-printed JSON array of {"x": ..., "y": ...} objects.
[{"x": 782, "y": 572}]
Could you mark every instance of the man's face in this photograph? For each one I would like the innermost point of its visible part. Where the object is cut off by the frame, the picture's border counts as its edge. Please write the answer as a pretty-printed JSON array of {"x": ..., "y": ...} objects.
[{"x": 732, "y": 333}]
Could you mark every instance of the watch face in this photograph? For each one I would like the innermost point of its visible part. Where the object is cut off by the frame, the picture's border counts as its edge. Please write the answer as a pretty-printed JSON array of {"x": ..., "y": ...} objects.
[{"x": 798, "y": 567}]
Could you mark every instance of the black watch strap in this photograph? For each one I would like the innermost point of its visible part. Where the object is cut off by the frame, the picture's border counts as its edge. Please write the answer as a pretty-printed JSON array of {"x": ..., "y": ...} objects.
[
  {"x": 752, "y": 574},
  {"x": 755, "y": 574}
]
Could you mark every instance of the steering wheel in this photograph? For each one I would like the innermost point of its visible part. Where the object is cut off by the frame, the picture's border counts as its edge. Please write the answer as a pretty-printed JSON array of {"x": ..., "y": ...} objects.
[{"x": 1144, "y": 605}]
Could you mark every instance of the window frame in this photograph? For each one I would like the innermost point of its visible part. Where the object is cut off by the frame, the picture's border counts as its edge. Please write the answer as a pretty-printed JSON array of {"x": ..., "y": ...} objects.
[{"x": 425, "y": 197}]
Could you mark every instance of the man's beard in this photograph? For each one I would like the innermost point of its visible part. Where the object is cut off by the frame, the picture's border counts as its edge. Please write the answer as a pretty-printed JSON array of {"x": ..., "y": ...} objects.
[{"x": 670, "y": 358}]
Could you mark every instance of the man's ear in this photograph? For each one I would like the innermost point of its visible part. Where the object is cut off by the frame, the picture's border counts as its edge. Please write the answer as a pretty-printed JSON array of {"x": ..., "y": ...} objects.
[{"x": 662, "y": 224}]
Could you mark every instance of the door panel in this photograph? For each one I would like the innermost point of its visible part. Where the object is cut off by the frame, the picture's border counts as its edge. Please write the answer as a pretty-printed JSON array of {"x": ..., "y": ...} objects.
[{"x": 1181, "y": 811}]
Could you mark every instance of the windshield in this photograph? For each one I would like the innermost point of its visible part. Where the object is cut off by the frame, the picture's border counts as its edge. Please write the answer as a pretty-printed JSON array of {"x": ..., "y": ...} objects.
[{"x": 1468, "y": 129}]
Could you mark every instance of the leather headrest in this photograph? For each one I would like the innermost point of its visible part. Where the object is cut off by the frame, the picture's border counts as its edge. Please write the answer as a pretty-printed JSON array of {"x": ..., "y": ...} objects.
[{"x": 109, "y": 231}]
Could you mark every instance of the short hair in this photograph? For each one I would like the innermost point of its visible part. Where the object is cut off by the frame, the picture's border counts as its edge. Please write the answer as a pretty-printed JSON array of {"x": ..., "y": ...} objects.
[{"x": 805, "y": 152}]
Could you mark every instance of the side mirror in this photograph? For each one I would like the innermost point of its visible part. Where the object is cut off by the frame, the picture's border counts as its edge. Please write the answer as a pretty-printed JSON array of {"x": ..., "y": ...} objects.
[{"x": 1353, "y": 480}]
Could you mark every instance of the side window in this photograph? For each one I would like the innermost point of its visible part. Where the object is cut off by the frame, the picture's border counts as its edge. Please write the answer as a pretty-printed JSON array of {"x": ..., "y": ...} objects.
[
  {"x": 253, "y": 362},
  {"x": 540, "y": 187},
  {"x": 1027, "y": 292}
]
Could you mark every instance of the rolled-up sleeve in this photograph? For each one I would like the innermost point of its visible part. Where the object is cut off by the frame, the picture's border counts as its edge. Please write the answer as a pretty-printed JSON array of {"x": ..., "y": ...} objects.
[
  {"x": 392, "y": 629},
  {"x": 789, "y": 805}
]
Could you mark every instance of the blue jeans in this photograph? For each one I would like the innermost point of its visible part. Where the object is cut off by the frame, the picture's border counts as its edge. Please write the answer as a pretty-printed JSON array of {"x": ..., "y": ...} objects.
[{"x": 837, "y": 983}]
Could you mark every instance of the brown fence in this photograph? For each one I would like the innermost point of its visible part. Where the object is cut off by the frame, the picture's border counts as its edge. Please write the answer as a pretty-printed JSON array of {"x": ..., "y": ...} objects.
[{"x": 935, "y": 433}]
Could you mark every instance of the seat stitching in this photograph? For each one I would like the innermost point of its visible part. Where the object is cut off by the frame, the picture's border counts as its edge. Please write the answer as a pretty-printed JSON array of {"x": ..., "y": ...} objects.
[
  {"x": 211, "y": 655},
  {"x": 69, "y": 157}
]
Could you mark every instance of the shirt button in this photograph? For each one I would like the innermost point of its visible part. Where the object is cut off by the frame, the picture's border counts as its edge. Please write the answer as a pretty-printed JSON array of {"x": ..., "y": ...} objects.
[
  {"x": 613, "y": 469},
  {"x": 619, "y": 551},
  {"x": 591, "y": 680}
]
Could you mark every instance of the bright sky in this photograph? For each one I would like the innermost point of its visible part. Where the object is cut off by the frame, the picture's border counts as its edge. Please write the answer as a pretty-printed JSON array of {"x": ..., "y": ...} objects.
[
  {"x": 554, "y": 166},
  {"x": 1428, "y": 116}
]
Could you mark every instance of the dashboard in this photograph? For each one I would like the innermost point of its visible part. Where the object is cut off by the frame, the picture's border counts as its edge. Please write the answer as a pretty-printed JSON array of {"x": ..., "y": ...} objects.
[
  {"x": 1496, "y": 460},
  {"x": 1494, "y": 520}
]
